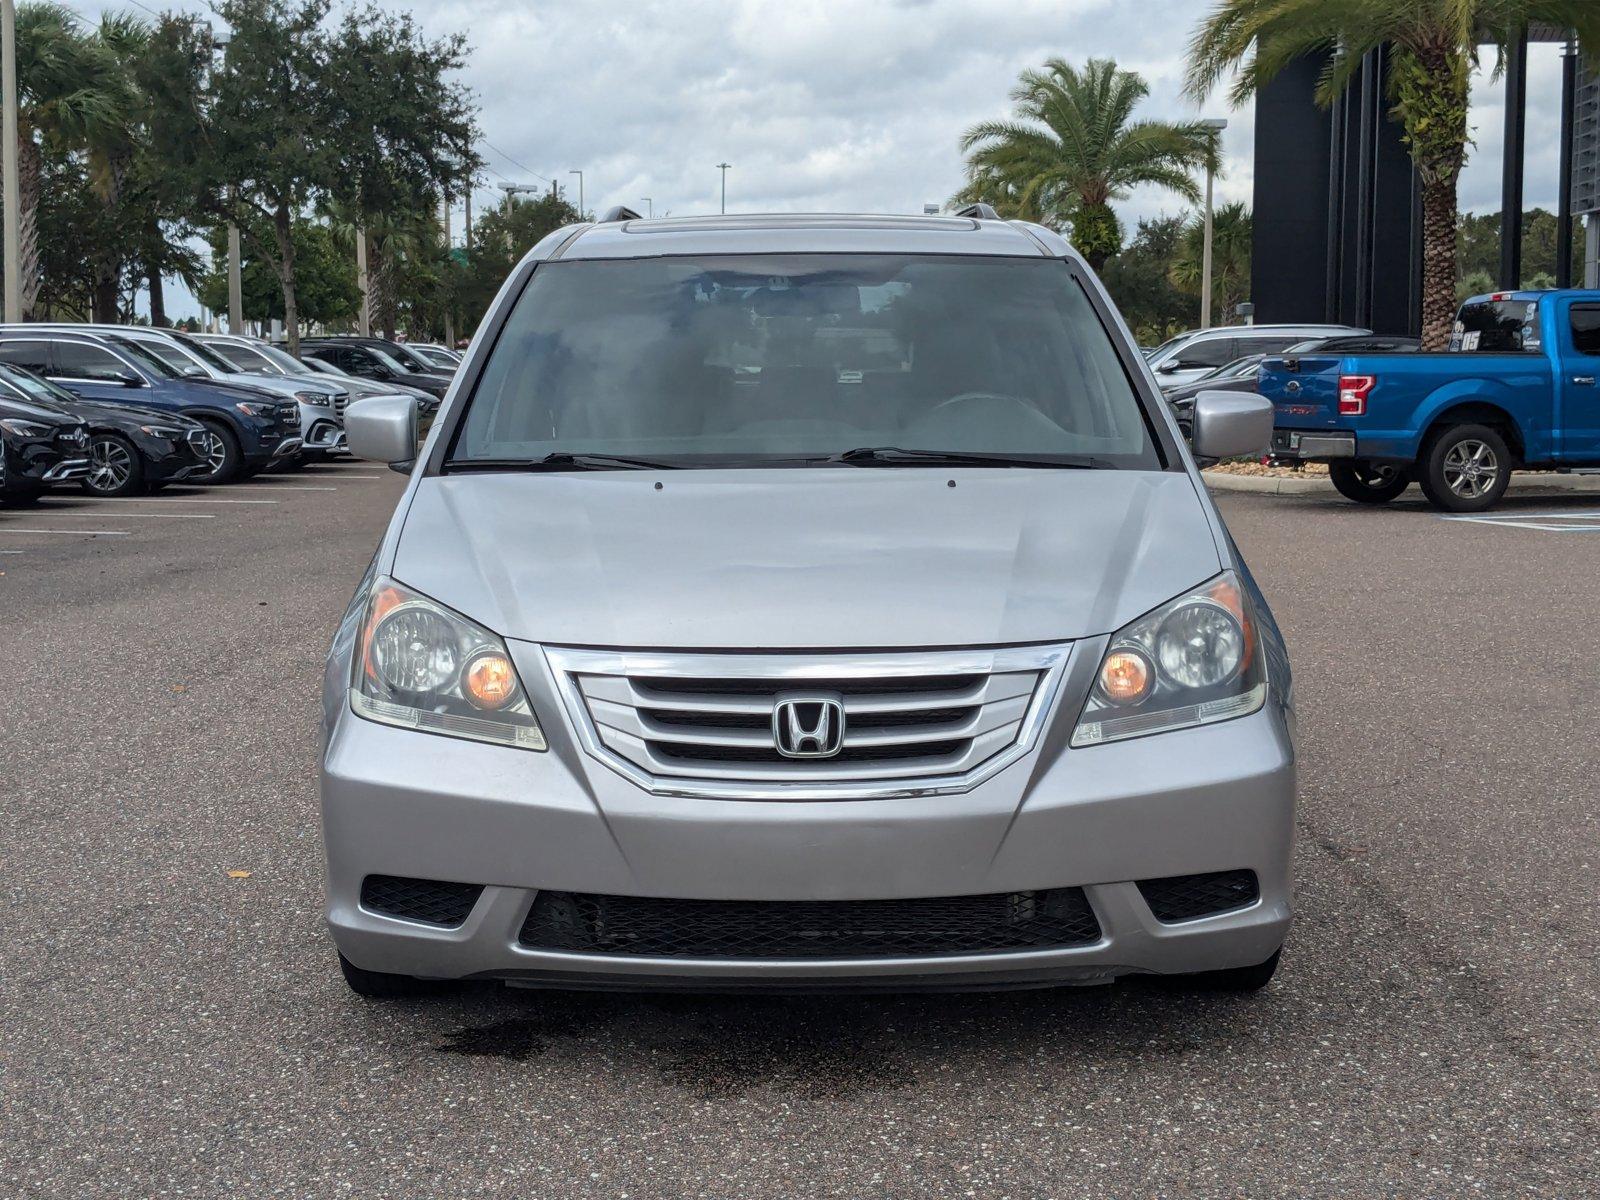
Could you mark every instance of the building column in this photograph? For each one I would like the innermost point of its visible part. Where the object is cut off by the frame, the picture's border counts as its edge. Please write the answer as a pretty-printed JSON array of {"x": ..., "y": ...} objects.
[{"x": 1512, "y": 164}]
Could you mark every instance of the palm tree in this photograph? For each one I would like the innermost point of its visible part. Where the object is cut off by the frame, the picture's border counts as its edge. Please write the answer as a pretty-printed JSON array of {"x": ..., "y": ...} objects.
[
  {"x": 72, "y": 94},
  {"x": 1433, "y": 45},
  {"x": 1074, "y": 147},
  {"x": 1231, "y": 247}
]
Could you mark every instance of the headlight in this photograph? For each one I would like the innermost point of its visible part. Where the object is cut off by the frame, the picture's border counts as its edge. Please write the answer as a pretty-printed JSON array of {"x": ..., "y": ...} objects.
[
  {"x": 257, "y": 408},
  {"x": 1193, "y": 661},
  {"x": 420, "y": 666},
  {"x": 162, "y": 431},
  {"x": 316, "y": 398},
  {"x": 28, "y": 429}
]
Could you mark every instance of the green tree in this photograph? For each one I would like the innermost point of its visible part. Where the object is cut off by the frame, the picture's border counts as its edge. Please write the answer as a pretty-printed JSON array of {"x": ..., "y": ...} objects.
[
  {"x": 1230, "y": 258},
  {"x": 1074, "y": 147},
  {"x": 303, "y": 113},
  {"x": 499, "y": 240},
  {"x": 1433, "y": 45},
  {"x": 1140, "y": 281},
  {"x": 325, "y": 275},
  {"x": 73, "y": 94}
]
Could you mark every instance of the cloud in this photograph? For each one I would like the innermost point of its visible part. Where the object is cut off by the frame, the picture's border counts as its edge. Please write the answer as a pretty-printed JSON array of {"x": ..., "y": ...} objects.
[{"x": 837, "y": 105}]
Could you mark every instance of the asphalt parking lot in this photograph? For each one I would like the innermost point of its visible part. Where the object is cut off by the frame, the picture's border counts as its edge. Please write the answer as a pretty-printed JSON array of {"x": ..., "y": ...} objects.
[{"x": 172, "y": 1022}]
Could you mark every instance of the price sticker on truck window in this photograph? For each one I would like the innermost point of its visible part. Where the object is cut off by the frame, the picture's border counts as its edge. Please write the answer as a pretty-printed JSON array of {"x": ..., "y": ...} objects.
[{"x": 1469, "y": 341}]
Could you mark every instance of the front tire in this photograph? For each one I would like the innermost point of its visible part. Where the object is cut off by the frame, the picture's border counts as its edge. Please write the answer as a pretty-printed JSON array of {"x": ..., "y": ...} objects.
[
  {"x": 115, "y": 467},
  {"x": 381, "y": 985},
  {"x": 1466, "y": 469},
  {"x": 1368, "y": 483},
  {"x": 223, "y": 456}
]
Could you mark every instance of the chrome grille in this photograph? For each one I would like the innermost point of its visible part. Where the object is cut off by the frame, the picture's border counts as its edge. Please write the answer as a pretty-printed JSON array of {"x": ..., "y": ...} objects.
[
  {"x": 340, "y": 400},
  {"x": 706, "y": 724}
]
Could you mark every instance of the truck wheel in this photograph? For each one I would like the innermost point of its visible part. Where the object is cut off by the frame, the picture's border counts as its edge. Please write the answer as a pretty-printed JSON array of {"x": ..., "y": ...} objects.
[
  {"x": 1465, "y": 468},
  {"x": 1368, "y": 483},
  {"x": 223, "y": 456}
]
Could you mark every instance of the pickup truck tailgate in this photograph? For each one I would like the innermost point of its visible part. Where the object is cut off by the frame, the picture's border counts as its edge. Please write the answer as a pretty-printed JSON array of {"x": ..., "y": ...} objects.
[{"x": 1304, "y": 391}]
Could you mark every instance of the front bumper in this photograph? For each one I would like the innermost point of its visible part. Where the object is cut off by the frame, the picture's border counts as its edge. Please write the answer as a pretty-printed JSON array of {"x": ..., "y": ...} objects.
[
  {"x": 287, "y": 448},
  {"x": 66, "y": 469},
  {"x": 1218, "y": 798},
  {"x": 324, "y": 435}
]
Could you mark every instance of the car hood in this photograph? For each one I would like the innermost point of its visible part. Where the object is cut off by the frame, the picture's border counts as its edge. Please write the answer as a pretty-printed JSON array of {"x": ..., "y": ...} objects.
[{"x": 806, "y": 558}]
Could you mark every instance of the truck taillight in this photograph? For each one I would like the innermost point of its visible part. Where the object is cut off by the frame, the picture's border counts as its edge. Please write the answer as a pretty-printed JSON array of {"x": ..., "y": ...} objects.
[{"x": 1353, "y": 393}]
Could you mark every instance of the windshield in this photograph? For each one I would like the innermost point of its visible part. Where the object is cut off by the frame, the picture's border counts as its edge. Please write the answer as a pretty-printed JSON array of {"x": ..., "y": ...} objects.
[
  {"x": 1496, "y": 327},
  {"x": 282, "y": 362},
  {"x": 38, "y": 390},
  {"x": 205, "y": 354},
  {"x": 1164, "y": 351},
  {"x": 245, "y": 358},
  {"x": 168, "y": 365},
  {"x": 719, "y": 361},
  {"x": 403, "y": 357},
  {"x": 321, "y": 366}
]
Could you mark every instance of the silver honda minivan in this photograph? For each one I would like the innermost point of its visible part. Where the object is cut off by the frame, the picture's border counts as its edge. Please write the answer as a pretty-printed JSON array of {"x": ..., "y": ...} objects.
[{"x": 806, "y": 602}]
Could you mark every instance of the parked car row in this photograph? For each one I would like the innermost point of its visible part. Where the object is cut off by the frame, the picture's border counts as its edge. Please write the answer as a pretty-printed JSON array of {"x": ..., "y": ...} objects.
[{"x": 122, "y": 410}]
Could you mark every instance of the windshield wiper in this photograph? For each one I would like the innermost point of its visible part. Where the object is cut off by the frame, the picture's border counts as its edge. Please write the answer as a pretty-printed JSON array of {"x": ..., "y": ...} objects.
[
  {"x": 897, "y": 456},
  {"x": 560, "y": 460}
]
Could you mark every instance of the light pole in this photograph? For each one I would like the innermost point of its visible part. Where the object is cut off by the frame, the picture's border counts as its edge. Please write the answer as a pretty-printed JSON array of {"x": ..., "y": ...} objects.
[
  {"x": 723, "y": 167},
  {"x": 649, "y": 206},
  {"x": 1216, "y": 125},
  {"x": 579, "y": 174},
  {"x": 512, "y": 189},
  {"x": 8, "y": 170}
]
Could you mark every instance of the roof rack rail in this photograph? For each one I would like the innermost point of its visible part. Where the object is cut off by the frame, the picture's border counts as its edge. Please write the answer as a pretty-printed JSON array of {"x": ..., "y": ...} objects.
[
  {"x": 979, "y": 212},
  {"x": 618, "y": 212}
]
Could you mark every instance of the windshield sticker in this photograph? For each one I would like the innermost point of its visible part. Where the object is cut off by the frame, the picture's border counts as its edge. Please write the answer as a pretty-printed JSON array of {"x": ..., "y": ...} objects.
[{"x": 1469, "y": 341}]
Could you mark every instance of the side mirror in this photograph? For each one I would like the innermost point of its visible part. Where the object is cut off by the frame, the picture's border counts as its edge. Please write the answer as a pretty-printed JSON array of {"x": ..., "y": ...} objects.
[
  {"x": 1171, "y": 366},
  {"x": 383, "y": 429},
  {"x": 129, "y": 379},
  {"x": 1231, "y": 424}
]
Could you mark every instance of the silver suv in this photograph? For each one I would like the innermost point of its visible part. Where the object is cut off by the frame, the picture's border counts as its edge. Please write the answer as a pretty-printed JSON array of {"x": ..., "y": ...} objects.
[{"x": 806, "y": 601}]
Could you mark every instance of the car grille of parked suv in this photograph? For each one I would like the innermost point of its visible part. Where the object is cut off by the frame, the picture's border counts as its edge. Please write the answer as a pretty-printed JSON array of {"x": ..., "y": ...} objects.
[
  {"x": 749, "y": 929},
  {"x": 714, "y": 724}
]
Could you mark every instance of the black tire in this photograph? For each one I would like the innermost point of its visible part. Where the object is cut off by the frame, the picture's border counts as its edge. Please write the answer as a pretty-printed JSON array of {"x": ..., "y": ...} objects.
[
  {"x": 1368, "y": 483},
  {"x": 1465, "y": 468},
  {"x": 1234, "y": 979},
  {"x": 380, "y": 985},
  {"x": 223, "y": 454},
  {"x": 116, "y": 467}
]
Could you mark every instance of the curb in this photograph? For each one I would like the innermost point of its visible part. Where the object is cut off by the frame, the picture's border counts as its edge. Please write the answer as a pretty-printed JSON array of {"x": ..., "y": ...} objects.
[{"x": 1522, "y": 483}]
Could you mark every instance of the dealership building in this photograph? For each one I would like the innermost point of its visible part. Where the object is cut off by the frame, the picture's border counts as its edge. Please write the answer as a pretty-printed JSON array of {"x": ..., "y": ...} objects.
[{"x": 1335, "y": 188}]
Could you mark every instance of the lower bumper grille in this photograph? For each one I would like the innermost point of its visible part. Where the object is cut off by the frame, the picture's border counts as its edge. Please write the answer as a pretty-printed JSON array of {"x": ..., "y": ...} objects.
[
  {"x": 1188, "y": 897},
  {"x": 431, "y": 901},
  {"x": 745, "y": 929}
]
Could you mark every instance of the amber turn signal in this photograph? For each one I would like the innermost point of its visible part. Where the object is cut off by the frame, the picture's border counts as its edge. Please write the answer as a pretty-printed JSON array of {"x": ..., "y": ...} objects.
[
  {"x": 1126, "y": 677},
  {"x": 490, "y": 681}
]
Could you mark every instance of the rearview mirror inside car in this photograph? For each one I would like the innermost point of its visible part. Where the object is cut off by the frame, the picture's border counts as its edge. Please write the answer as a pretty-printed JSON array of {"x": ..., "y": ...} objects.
[
  {"x": 1231, "y": 424},
  {"x": 383, "y": 429}
]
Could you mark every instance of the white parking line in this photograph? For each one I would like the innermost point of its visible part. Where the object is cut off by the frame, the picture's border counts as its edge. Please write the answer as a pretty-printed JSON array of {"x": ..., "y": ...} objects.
[
  {"x": 174, "y": 500},
  {"x": 135, "y": 516},
  {"x": 13, "y": 552},
  {"x": 74, "y": 532},
  {"x": 289, "y": 487},
  {"x": 1562, "y": 522}
]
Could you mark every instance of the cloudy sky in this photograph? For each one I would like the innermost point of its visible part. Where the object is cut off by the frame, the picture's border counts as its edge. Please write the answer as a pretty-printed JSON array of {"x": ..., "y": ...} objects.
[{"x": 852, "y": 105}]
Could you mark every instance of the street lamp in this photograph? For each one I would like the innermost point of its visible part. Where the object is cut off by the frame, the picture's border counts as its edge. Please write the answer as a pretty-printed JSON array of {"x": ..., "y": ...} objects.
[
  {"x": 723, "y": 167},
  {"x": 579, "y": 174},
  {"x": 1216, "y": 125}
]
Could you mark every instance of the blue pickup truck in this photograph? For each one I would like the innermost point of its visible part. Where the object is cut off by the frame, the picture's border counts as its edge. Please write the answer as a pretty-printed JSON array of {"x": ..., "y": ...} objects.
[{"x": 1516, "y": 390}]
